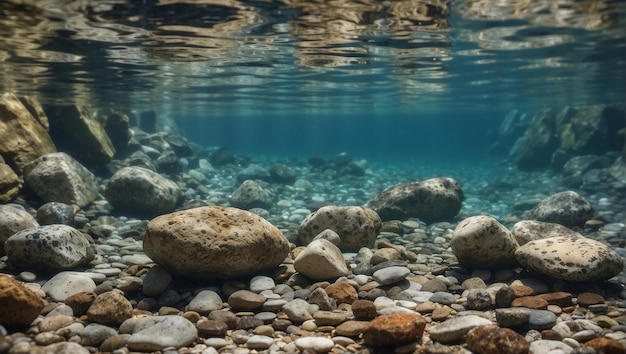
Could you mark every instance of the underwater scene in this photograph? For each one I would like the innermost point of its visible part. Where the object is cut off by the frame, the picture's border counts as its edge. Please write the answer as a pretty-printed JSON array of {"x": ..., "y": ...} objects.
[{"x": 326, "y": 176}]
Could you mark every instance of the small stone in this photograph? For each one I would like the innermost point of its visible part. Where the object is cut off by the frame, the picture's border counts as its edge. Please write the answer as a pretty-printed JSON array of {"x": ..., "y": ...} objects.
[
  {"x": 260, "y": 283},
  {"x": 541, "y": 319},
  {"x": 53, "y": 323},
  {"x": 80, "y": 302},
  {"x": 559, "y": 298},
  {"x": 455, "y": 328},
  {"x": 384, "y": 255},
  {"x": 505, "y": 296},
  {"x": 531, "y": 302},
  {"x": 246, "y": 300},
  {"x": 66, "y": 284},
  {"x": 495, "y": 340},
  {"x": 212, "y": 328},
  {"x": 351, "y": 328},
  {"x": 549, "y": 346},
  {"x": 443, "y": 298},
  {"x": 20, "y": 305},
  {"x": 329, "y": 318},
  {"x": 110, "y": 307},
  {"x": 363, "y": 309},
  {"x": 479, "y": 299},
  {"x": 259, "y": 342},
  {"x": 65, "y": 347},
  {"x": 315, "y": 344},
  {"x": 114, "y": 342},
  {"x": 522, "y": 290},
  {"x": 512, "y": 317},
  {"x": 434, "y": 285},
  {"x": 321, "y": 299},
  {"x": 94, "y": 334},
  {"x": 390, "y": 275},
  {"x": 297, "y": 310},
  {"x": 474, "y": 283},
  {"x": 205, "y": 302},
  {"x": 342, "y": 292},
  {"x": 441, "y": 313},
  {"x": 321, "y": 260},
  {"x": 159, "y": 332},
  {"x": 586, "y": 299},
  {"x": 156, "y": 281},
  {"x": 394, "y": 329}
]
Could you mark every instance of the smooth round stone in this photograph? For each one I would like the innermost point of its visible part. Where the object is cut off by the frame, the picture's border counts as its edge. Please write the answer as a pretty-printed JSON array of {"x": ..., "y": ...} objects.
[
  {"x": 156, "y": 333},
  {"x": 94, "y": 334},
  {"x": 156, "y": 281},
  {"x": 265, "y": 316},
  {"x": 343, "y": 341},
  {"x": 391, "y": 275},
  {"x": 215, "y": 342},
  {"x": 28, "y": 276},
  {"x": 109, "y": 272},
  {"x": 585, "y": 335},
  {"x": 541, "y": 319},
  {"x": 260, "y": 283},
  {"x": 205, "y": 302},
  {"x": 316, "y": 344},
  {"x": 274, "y": 305},
  {"x": 264, "y": 330},
  {"x": 259, "y": 342},
  {"x": 297, "y": 310},
  {"x": 443, "y": 298},
  {"x": 66, "y": 284}
]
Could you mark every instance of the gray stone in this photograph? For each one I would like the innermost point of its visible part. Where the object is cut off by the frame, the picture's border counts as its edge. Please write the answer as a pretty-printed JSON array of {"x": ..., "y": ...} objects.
[
  {"x": 139, "y": 190},
  {"x": 315, "y": 344},
  {"x": 541, "y": 319},
  {"x": 214, "y": 243},
  {"x": 94, "y": 334},
  {"x": 566, "y": 208},
  {"x": 329, "y": 235},
  {"x": 251, "y": 195},
  {"x": 159, "y": 332},
  {"x": 530, "y": 230},
  {"x": 455, "y": 328},
  {"x": 260, "y": 283},
  {"x": 391, "y": 275},
  {"x": 297, "y": 310},
  {"x": 321, "y": 260},
  {"x": 57, "y": 177},
  {"x": 205, "y": 302},
  {"x": 254, "y": 172},
  {"x": 48, "y": 247},
  {"x": 543, "y": 346},
  {"x": 571, "y": 259},
  {"x": 443, "y": 298},
  {"x": 156, "y": 281},
  {"x": 432, "y": 200},
  {"x": 539, "y": 142},
  {"x": 357, "y": 227},
  {"x": 13, "y": 220},
  {"x": 66, "y": 284},
  {"x": 479, "y": 299},
  {"x": 481, "y": 242},
  {"x": 55, "y": 213}
]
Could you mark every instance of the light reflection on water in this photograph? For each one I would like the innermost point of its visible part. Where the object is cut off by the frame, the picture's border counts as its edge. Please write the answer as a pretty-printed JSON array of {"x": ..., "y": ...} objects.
[{"x": 224, "y": 56}]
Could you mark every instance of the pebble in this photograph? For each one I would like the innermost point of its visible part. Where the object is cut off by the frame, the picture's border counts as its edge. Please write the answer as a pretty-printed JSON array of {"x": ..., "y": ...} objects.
[
  {"x": 455, "y": 328},
  {"x": 259, "y": 342},
  {"x": 159, "y": 332},
  {"x": 205, "y": 302},
  {"x": 66, "y": 284},
  {"x": 391, "y": 275},
  {"x": 317, "y": 344},
  {"x": 297, "y": 310},
  {"x": 156, "y": 281}
]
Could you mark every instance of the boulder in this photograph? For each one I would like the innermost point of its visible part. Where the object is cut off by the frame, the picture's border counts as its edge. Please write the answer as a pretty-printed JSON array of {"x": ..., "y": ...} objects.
[
  {"x": 117, "y": 128},
  {"x": 251, "y": 195},
  {"x": 49, "y": 247},
  {"x": 592, "y": 130},
  {"x": 432, "y": 200},
  {"x": 539, "y": 142},
  {"x": 570, "y": 259},
  {"x": 10, "y": 183},
  {"x": 530, "y": 230},
  {"x": 576, "y": 167},
  {"x": 78, "y": 132},
  {"x": 481, "y": 242},
  {"x": 356, "y": 226},
  {"x": 139, "y": 190},
  {"x": 13, "y": 220},
  {"x": 566, "y": 208},
  {"x": 214, "y": 243},
  {"x": 58, "y": 177},
  {"x": 221, "y": 157},
  {"x": 20, "y": 305},
  {"x": 36, "y": 109},
  {"x": 321, "y": 260},
  {"x": 22, "y": 137}
]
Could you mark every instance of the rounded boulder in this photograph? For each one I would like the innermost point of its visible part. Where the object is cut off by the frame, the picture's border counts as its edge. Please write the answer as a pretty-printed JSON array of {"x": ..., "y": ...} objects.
[{"x": 214, "y": 242}]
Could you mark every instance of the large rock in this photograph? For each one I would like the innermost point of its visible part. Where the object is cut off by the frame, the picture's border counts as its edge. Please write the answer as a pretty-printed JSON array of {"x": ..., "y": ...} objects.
[
  {"x": 481, "y": 242},
  {"x": 566, "y": 208},
  {"x": 139, "y": 190},
  {"x": 58, "y": 177},
  {"x": 20, "y": 305},
  {"x": 530, "y": 230},
  {"x": 13, "y": 220},
  {"x": 214, "y": 243},
  {"x": 22, "y": 137},
  {"x": 435, "y": 199},
  {"x": 539, "y": 142},
  {"x": 321, "y": 260},
  {"x": 36, "y": 109},
  {"x": 49, "y": 247},
  {"x": 10, "y": 183},
  {"x": 357, "y": 227},
  {"x": 592, "y": 130},
  {"x": 251, "y": 195},
  {"x": 118, "y": 130},
  {"x": 570, "y": 259},
  {"x": 77, "y": 131}
]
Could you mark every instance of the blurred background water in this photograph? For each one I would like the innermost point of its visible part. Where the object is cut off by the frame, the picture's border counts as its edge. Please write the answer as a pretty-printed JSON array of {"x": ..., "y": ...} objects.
[{"x": 422, "y": 80}]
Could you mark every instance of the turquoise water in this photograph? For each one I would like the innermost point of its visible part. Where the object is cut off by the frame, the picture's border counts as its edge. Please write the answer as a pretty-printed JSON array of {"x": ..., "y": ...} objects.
[{"x": 378, "y": 79}]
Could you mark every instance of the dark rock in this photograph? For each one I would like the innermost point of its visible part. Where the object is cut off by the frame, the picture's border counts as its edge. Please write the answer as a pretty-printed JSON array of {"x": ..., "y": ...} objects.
[
  {"x": 169, "y": 163},
  {"x": 221, "y": 157},
  {"x": 251, "y": 195},
  {"x": 117, "y": 128},
  {"x": 55, "y": 213},
  {"x": 179, "y": 145},
  {"x": 281, "y": 173},
  {"x": 147, "y": 122},
  {"x": 539, "y": 142}
]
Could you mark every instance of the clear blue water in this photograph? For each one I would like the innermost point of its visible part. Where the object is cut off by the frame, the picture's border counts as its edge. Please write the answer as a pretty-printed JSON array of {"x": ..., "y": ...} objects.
[{"x": 378, "y": 79}]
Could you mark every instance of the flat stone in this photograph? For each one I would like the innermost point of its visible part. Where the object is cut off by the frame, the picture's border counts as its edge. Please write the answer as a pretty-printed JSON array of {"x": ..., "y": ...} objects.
[
  {"x": 259, "y": 342},
  {"x": 260, "y": 283},
  {"x": 541, "y": 319},
  {"x": 455, "y": 328},
  {"x": 443, "y": 298},
  {"x": 159, "y": 332},
  {"x": 587, "y": 299},
  {"x": 246, "y": 300},
  {"x": 297, "y": 310},
  {"x": 66, "y": 284},
  {"x": 512, "y": 317},
  {"x": 391, "y": 275},
  {"x": 531, "y": 302},
  {"x": 205, "y": 302},
  {"x": 329, "y": 318},
  {"x": 606, "y": 345},
  {"x": 394, "y": 329},
  {"x": 351, "y": 328},
  {"x": 315, "y": 344},
  {"x": 559, "y": 298},
  {"x": 94, "y": 334}
]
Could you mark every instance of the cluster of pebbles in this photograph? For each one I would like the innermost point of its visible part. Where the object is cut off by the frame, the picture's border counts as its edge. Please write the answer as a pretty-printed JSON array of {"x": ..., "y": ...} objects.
[{"x": 405, "y": 294}]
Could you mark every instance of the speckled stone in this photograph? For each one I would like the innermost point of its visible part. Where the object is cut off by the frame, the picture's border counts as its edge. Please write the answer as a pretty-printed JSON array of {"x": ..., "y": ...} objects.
[
  {"x": 110, "y": 308},
  {"x": 495, "y": 340},
  {"x": 530, "y": 230},
  {"x": 566, "y": 208},
  {"x": 394, "y": 329},
  {"x": 342, "y": 292},
  {"x": 606, "y": 345},
  {"x": 570, "y": 259}
]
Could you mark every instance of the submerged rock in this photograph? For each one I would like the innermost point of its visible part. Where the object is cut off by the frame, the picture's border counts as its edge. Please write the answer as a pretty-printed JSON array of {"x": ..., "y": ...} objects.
[
  {"x": 539, "y": 142},
  {"x": 321, "y": 260},
  {"x": 357, "y": 227},
  {"x": 22, "y": 137},
  {"x": 20, "y": 305},
  {"x": 10, "y": 183},
  {"x": 13, "y": 220},
  {"x": 530, "y": 230},
  {"x": 139, "y": 190},
  {"x": 435, "y": 199},
  {"x": 571, "y": 259},
  {"x": 566, "y": 208},
  {"x": 251, "y": 195},
  {"x": 214, "y": 243},
  {"x": 481, "y": 242},
  {"x": 58, "y": 177},
  {"x": 49, "y": 247},
  {"x": 55, "y": 213}
]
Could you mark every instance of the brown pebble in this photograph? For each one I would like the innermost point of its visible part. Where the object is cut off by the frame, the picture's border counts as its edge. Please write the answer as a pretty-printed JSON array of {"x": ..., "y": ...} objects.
[
  {"x": 110, "y": 308},
  {"x": 594, "y": 224},
  {"x": 549, "y": 334},
  {"x": 248, "y": 322},
  {"x": 329, "y": 318},
  {"x": 245, "y": 300},
  {"x": 211, "y": 328},
  {"x": 350, "y": 328},
  {"x": 395, "y": 329},
  {"x": 224, "y": 316},
  {"x": 531, "y": 302},
  {"x": 522, "y": 290},
  {"x": 192, "y": 316},
  {"x": 364, "y": 309},
  {"x": 496, "y": 340},
  {"x": 559, "y": 298},
  {"x": 587, "y": 298},
  {"x": 115, "y": 342},
  {"x": 80, "y": 302},
  {"x": 342, "y": 292},
  {"x": 606, "y": 345},
  {"x": 441, "y": 313}
]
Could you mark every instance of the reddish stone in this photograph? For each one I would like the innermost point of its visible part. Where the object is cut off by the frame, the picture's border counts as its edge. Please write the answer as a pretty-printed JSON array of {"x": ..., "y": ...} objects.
[
  {"x": 342, "y": 292},
  {"x": 80, "y": 302},
  {"x": 496, "y": 340},
  {"x": 559, "y": 298},
  {"x": 587, "y": 299},
  {"x": 394, "y": 330},
  {"x": 531, "y": 302},
  {"x": 19, "y": 305},
  {"x": 549, "y": 334},
  {"x": 364, "y": 309},
  {"x": 606, "y": 345}
]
